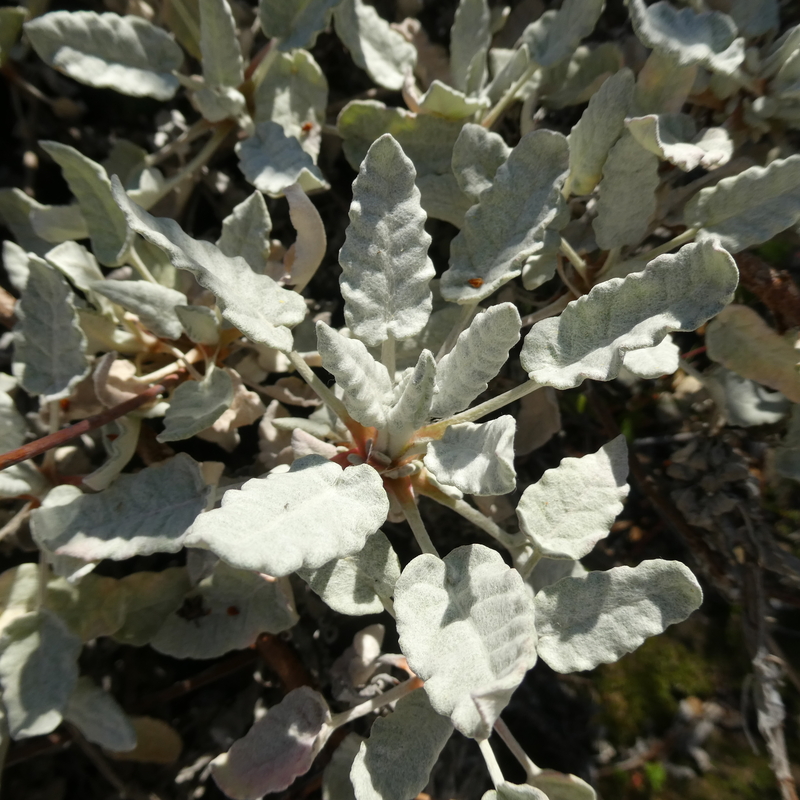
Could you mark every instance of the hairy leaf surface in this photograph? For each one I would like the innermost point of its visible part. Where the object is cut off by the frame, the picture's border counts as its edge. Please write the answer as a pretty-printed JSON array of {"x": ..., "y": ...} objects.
[
  {"x": 152, "y": 303},
  {"x": 653, "y": 362},
  {"x": 196, "y": 405},
  {"x": 98, "y": 716},
  {"x": 470, "y": 37},
  {"x": 444, "y": 101},
  {"x": 477, "y": 155},
  {"x": 557, "y": 37},
  {"x": 412, "y": 406},
  {"x": 295, "y": 24},
  {"x": 246, "y": 232},
  {"x": 222, "y": 56}
]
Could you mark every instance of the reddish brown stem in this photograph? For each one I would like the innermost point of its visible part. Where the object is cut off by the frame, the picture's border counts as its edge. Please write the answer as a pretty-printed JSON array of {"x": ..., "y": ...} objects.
[{"x": 65, "y": 435}]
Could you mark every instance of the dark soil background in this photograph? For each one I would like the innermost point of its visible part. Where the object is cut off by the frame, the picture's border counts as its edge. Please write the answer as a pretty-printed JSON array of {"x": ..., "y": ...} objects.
[{"x": 673, "y": 720}]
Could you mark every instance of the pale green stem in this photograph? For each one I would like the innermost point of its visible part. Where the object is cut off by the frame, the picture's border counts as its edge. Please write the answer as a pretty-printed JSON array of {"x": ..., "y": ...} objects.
[
  {"x": 186, "y": 358},
  {"x": 495, "y": 773},
  {"x": 388, "y": 605},
  {"x": 480, "y": 520},
  {"x": 464, "y": 318},
  {"x": 531, "y": 770},
  {"x": 412, "y": 515},
  {"x": 189, "y": 368},
  {"x": 525, "y": 569},
  {"x": 198, "y": 129},
  {"x": 611, "y": 259},
  {"x": 505, "y": 101},
  {"x": 323, "y": 392},
  {"x": 436, "y": 429},
  {"x": 373, "y": 704},
  {"x": 266, "y": 63},
  {"x": 388, "y": 356},
  {"x": 682, "y": 238},
  {"x": 574, "y": 290},
  {"x": 574, "y": 259},
  {"x": 139, "y": 265}
]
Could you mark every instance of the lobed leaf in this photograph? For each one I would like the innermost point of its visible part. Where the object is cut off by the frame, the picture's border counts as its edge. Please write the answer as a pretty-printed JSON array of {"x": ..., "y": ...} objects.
[
  {"x": 751, "y": 207},
  {"x": 246, "y": 232},
  {"x": 411, "y": 408},
  {"x": 597, "y": 619},
  {"x": 49, "y": 345},
  {"x": 254, "y": 303},
  {"x": 444, "y": 101},
  {"x": 222, "y": 56},
  {"x": 477, "y": 155},
  {"x": 476, "y": 458},
  {"x": 199, "y": 323},
  {"x": 396, "y": 761},
  {"x": 572, "y": 507},
  {"x": 466, "y": 626},
  {"x": 298, "y": 519},
  {"x": 507, "y": 225},
  {"x": 590, "y": 338},
  {"x": 281, "y": 746},
  {"x": 98, "y": 716},
  {"x": 477, "y": 357},
  {"x": 89, "y": 182},
  {"x": 653, "y": 362},
  {"x": 470, "y": 38},
  {"x": 196, "y": 405},
  {"x": 597, "y": 130},
  {"x": 152, "y": 303},
  {"x": 556, "y": 39},
  {"x": 139, "y": 514},
  {"x": 295, "y": 24},
  {"x": 127, "y": 54},
  {"x": 385, "y": 54},
  {"x": 386, "y": 270}
]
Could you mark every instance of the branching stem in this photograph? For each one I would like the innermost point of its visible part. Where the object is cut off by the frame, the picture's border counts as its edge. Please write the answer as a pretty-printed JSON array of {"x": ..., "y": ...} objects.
[
  {"x": 531, "y": 770},
  {"x": 508, "y": 97},
  {"x": 361, "y": 710},
  {"x": 405, "y": 497},
  {"x": 323, "y": 392},
  {"x": 679, "y": 240},
  {"x": 139, "y": 265},
  {"x": 195, "y": 132},
  {"x": 572, "y": 255}
]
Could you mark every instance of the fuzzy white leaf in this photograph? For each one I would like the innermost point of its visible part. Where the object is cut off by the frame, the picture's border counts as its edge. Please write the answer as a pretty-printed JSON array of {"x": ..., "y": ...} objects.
[
  {"x": 479, "y": 353},
  {"x": 466, "y": 626},
  {"x": 196, "y": 405},
  {"x": 199, "y": 323},
  {"x": 755, "y": 17},
  {"x": 305, "y": 517},
  {"x": 49, "y": 345},
  {"x": 98, "y": 716},
  {"x": 77, "y": 263},
  {"x": 336, "y": 783},
  {"x": 541, "y": 266},
  {"x": 508, "y": 73},
  {"x": 444, "y": 101},
  {"x": 143, "y": 513},
  {"x": 311, "y": 244},
  {"x": 477, "y": 155},
  {"x": 627, "y": 194},
  {"x": 689, "y": 38},
  {"x": 152, "y": 303},
  {"x": 277, "y": 749},
  {"x": 15, "y": 211},
  {"x": 271, "y": 161},
  {"x": 743, "y": 402},
  {"x": 476, "y": 458},
  {"x": 237, "y": 606},
  {"x": 561, "y": 786},
  {"x": 89, "y": 182},
  {"x": 127, "y": 54},
  {"x": 653, "y": 362},
  {"x": 12, "y": 425},
  {"x": 295, "y": 24},
  {"x": 751, "y": 207},
  {"x": 374, "y": 45},
  {"x": 412, "y": 407},
  {"x": 355, "y": 585},
  {"x": 222, "y": 57},
  {"x": 597, "y": 619},
  {"x": 254, "y": 303},
  {"x": 552, "y": 43},
  {"x": 396, "y": 761},
  {"x": 507, "y": 225},
  {"x": 59, "y": 223},
  {"x": 24, "y": 478},
  {"x": 246, "y": 232},
  {"x": 470, "y": 37},
  {"x": 514, "y": 791},
  {"x": 590, "y": 338},
  {"x": 663, "y": 85},
  {"x": 573, "y": 506},
  {"x": 673, "y": 138},
  {"x": 215, "y": 103},
  {"x": 386, "y": 270},
  {"x": 597, "y": 130},
  {"x": 15, "y": 261},
  {"x": 38, "y": 671},
  {"x": 586, "y": 72}
]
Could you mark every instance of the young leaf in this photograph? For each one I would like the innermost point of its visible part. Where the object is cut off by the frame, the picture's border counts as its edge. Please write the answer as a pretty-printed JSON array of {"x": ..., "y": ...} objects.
[
  {"x": 356, "y": 585},
  {"x": 751, "y": 207},
  {"x": 59, "y": 223},
  {"x": 396, "y": 761},
  {"x": 739, "y": 339},
  {"x": 143, "y": 513},
  {"x": 199, "y": 323},
  {"x": 152, "y": 303},
  {"x": 271, "y": 160},
  {"x": 507, "y": 74},
  {"x": 561, "y": 786},
  {"x": 476, "y": 458},
  {"x": 586, "y": 72},
  {"x": 573, "y": 506},
  {"x": 477, "y": 155},
  {"x": 15, "y": 211},
  {"x": 305, "y": 255},
  {"x": 22, "y": 479},
  {"x": 222, "y": 57},
  {"x": 90, "y": 607},
  {"x": 653, "y": 362},
  {"x": 49, "y": 345},
  {"x": 541, "y": 266},
  {"x": 385, "y": 265},
  {"x": 583, "y": 622},
  {"x": 742, "y": 402},
  {"x": 196, "y": 405},
  {"x": 470, "y": 37},
  {"x": 246, "y": 232},
  {"x": 374, "y": 45},
  {"x": 38, "y": 671},
  {"x": 77, "y": 263},
  {"x": 597, "y": 130},
  {"x": 98, "y": 716},
  {"x": 466, "y": 626},
  {"x": 254, "y": 303},
  {"x": 514, "y": 791},
  {"x": 305, "y": 517},
  {"x": 673, "y": 138},
  {"x": 444, "y": 101},
  {"x": 233, "y": 607},
  {"x": 366, "y": 383},
  {"x": 627, "y": 194},
  {"x": 508, "y": 223},
  {"x": 662, "y": 86},
  {"x": 552, "y": 43},
  {"x": 15, "y": 261},
  {"x": 589, "y": 340},
  {"x": 708, "y": 38},
  {"x": 479, "y": 353},
  {"x": 127, "y": 54},
  {"x": 12, "y": 424},
  {"x": 412, "y": 407},
  {"x": 294, "y": 93},
  {"x": 281, "y": 746},
  {"x": 295, "y": 24},
  {"x": 89, "y": 183}
]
